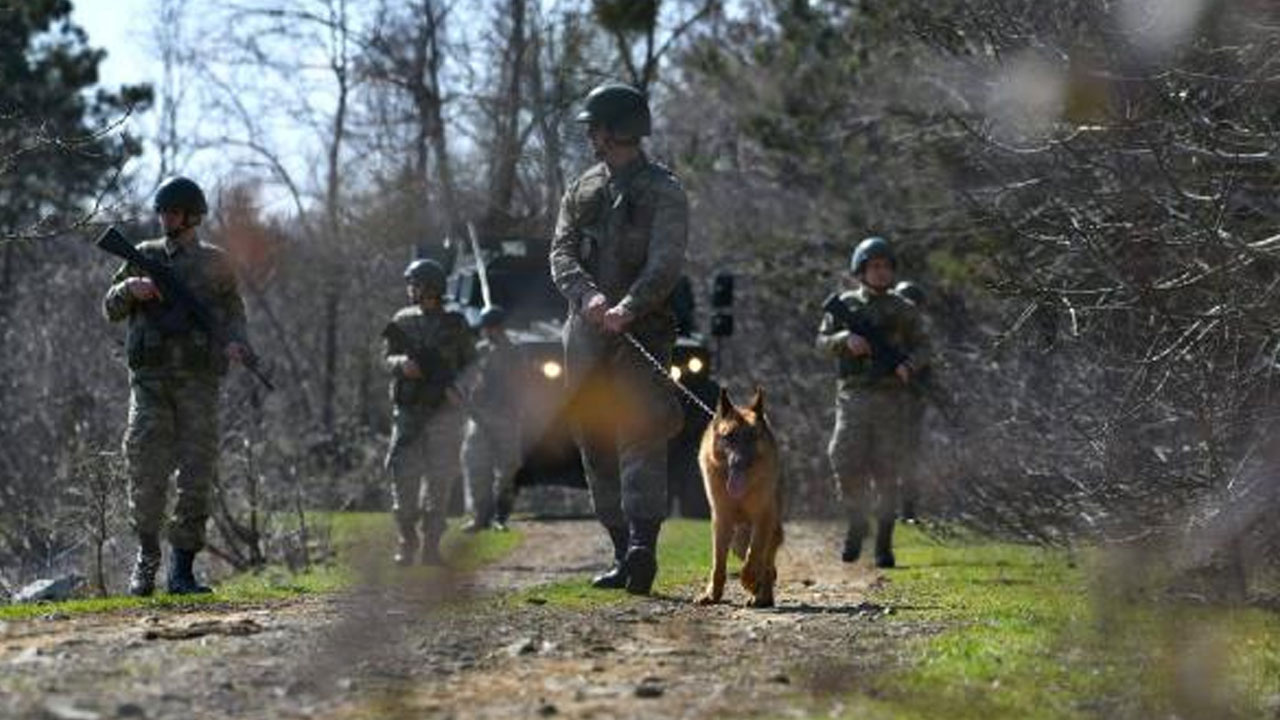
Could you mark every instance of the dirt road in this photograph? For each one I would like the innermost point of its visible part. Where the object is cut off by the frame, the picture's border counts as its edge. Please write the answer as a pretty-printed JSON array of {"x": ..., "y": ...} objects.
[{"x": 446, "y": 649}]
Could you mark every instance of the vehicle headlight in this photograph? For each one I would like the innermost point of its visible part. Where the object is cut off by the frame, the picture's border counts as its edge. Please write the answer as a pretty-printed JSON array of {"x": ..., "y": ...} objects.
[
  {"x": 552, "y": 369},
  {"x": 675, "y": 372},
  {"x": 696, "y": 365}
]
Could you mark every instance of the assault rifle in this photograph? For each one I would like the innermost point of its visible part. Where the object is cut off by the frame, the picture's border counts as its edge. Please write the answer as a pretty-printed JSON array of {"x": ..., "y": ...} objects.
[
  {"x": 885, "y": 358},
  {"x": 177, "y": 294},
  {"x": 436, "y": 375}
]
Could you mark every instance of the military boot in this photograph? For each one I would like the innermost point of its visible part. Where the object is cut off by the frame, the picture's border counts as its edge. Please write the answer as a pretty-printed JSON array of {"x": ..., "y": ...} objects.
[
  {"x": 884, "y": 541},
  {"x": 642, "y": 556},
  {"x": 407, "y": 544},
  {"x": 853, "y": 537},
  {"x": 142, "y": 583},
  {"x": 615, "y": 578},
  {"x": 182, "y": 578},
  {"x": 432, "y": 532},
  {"x": 482, "y": 520}
]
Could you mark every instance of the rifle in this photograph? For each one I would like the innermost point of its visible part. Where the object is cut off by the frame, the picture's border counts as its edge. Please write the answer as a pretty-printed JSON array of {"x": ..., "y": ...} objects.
[
  {"x": 885, "y": 358},
  {"x": 178, "y": 295},
  {"x": 435, "y": 374}
]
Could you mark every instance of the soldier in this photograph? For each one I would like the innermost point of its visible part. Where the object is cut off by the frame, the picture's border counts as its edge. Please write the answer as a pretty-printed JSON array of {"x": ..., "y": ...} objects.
[
  {"x": 175, "y": 369},
  {"x": 873, "y": 403},
  {"x": 616, "y": 256},
  {"x": 910, "y": 485},
  {"x": 427, "y": 349},
  {"x": 491, "y": 442}
]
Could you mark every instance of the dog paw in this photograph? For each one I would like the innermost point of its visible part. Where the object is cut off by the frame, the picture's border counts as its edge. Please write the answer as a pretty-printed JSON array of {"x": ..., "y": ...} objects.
[
  {"x": 707, "y": 598},
  {"x": 760, "y": 601}
]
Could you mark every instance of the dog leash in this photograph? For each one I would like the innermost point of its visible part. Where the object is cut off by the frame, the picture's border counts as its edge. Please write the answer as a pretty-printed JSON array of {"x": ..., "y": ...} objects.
[{"x": 653, "y": 361}]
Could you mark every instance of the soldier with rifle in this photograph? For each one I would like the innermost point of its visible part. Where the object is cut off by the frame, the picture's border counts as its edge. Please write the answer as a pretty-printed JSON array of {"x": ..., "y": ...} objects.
[
  {"x": 879, "y": 343},
  {"x": 427, "y": 348},
  {"x": 186, "y": 323}
]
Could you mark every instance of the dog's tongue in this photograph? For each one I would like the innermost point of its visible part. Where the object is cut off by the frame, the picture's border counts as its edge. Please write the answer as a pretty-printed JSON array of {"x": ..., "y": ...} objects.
[{"x": 737, "y": 484}]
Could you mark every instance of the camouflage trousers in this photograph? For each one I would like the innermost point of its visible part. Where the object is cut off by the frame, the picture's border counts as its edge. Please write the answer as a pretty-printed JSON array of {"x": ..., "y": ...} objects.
[
  {"x": 623, "y": 413},
  {"x": 422, "y": 462},
  {"x": 173, "y": 425},
  {"x": 490, "y": 459},
  {"x": 869, "y": 449}
]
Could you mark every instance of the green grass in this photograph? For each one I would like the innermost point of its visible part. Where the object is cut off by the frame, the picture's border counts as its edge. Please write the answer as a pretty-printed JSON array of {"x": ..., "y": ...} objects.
[
  {"x": 1027, "y": 636},
  {"x": 358, "y": 539}
]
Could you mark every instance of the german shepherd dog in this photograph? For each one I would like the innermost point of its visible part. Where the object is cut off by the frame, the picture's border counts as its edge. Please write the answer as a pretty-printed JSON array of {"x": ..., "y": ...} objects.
[{"x": 741, "y": 474}]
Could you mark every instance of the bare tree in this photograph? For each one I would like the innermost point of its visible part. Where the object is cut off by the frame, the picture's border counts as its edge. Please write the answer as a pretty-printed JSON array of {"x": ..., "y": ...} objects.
[
  {"x": 635, "y": 29},
  {"x": 407, "y": 50}
]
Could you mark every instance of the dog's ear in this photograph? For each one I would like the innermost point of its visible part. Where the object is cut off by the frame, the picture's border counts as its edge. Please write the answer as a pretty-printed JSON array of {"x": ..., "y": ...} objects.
[
  {"x": 724, "y": 407},
  {"x": 757, "y": 401}
]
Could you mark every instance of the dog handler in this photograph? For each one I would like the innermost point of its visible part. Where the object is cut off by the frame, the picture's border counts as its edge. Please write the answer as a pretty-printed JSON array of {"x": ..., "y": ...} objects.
[{"x": 617, "y": 253}]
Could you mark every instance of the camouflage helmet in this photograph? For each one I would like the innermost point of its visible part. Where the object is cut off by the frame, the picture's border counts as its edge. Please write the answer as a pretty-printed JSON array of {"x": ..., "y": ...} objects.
[
  {"x": 492, "y": 316},
  {"x": 427, "y": 276},
  {"x": 180, "y": 193},
  {"x": 618, "y": 108},
  {"x": 910, "y": 291},
  {"x": 872, "y": 247}
]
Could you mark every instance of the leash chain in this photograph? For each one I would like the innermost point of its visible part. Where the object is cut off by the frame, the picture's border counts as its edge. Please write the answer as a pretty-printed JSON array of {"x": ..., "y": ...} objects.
[{"x": 653, "y": 361}]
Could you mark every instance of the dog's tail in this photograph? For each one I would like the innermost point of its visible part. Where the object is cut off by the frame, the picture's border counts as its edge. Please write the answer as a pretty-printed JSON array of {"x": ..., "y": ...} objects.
[{"x": 741, "y": 540}]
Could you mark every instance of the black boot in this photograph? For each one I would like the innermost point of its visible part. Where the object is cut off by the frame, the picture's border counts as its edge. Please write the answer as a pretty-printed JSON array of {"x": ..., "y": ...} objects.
[
  {"x": 853, "y": 537},
  {"x": 884, "y": 541},
  {"x": 407, "y": 544},
  {"x": 483, "y": 519},
  {"x": 642, "y": 556},
  {"x": 615, "y": 578},
  {"x": 142, "y": 583},
  {"x": 182, "y": 578}
]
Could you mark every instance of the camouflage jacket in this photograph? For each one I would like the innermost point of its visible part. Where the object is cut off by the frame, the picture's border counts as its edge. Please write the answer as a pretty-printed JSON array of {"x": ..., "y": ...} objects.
[
  {"x": 900, "y": 324},
  {"x": 497, "y": 379},
  {"x": 622, "y": 234},
  {"x": 161, "y": 337},
  {"x": 443, "y": 347}
]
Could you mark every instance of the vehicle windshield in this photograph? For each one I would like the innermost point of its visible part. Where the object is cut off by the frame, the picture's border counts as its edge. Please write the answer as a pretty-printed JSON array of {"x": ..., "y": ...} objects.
[{"x": 519, "y": 281}]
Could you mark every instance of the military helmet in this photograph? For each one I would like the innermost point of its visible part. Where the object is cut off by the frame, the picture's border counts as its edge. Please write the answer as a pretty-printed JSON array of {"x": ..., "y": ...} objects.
[
  {"x": 619, "y": 108},
  {"x": 872, "y": 247},
  {"x": 427, "y": 276},
  {"x": 180, "y": 193},
  {"x": 910, "y": 291},
  {"x": 492, "y": 316}
]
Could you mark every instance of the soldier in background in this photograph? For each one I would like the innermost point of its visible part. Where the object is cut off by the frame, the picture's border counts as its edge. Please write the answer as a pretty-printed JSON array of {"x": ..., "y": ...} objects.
[
  {"x": 491, "y": 441},
  {"x": 911, "y": 478},
  {"x": 427, "y": 348},
  {"x": 868, "y": 450},
  {"x": 617, "y": 253},
  {"x": 175, "y": 370}
]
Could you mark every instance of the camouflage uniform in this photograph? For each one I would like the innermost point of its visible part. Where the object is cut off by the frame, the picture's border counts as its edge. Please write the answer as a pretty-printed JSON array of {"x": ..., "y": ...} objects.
[
  {"x": 491, "y": 442},
  {"x": 870, "y": 444},
  {"x": 426, "y": 426},
  {"x": 174, "y": 374},
  {"x": 623, "y": 234}
]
